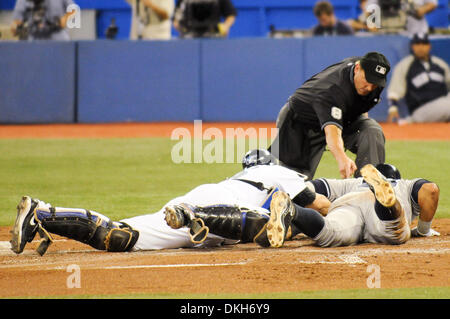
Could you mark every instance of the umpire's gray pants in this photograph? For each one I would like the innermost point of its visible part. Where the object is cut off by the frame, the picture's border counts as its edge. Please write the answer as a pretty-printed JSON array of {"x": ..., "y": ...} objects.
[{"x": 301, "y": 148}]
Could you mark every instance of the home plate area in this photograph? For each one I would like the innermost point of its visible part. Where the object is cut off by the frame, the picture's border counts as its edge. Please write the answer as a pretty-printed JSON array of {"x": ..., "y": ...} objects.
[{"x": 71, "y": 268}]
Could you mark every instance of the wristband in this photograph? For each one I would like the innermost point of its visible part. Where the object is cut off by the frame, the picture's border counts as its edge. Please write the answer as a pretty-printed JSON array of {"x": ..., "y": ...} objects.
[{"x": 423, "y": 228}]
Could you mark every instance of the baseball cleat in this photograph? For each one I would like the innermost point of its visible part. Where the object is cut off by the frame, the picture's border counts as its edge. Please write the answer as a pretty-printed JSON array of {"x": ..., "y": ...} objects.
[
  {"x": 176, "y": 216},
  {"x": 379, "y": 185},
  {"x": 181, "y": 215},
  {"x": 25, "y": 226},
  {"x": 281, "y": 213}
]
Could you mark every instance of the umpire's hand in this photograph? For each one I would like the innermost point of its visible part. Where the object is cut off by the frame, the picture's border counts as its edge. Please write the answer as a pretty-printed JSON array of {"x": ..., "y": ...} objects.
[
  {"x": 333, "y": 135},
  {"x": 346, "y": 167}
]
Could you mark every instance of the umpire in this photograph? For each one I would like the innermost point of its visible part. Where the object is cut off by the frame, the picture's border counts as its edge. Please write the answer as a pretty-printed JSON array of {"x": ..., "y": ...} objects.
[{"x": 330, "y": 109}]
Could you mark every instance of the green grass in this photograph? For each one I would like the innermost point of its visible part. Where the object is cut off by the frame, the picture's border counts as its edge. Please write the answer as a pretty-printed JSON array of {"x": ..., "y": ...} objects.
[
  {"x": 127, "y": 177},
  {"x": 401, "y": 293}
]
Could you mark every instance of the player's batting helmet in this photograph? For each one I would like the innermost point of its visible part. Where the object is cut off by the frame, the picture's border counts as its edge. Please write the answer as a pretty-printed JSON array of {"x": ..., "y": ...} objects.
[
  {"x": 258, "y": 157},
  {"x": 389, "y": 171}
]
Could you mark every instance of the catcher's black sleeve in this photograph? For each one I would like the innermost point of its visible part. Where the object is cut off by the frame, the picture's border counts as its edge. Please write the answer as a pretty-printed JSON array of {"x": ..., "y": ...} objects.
[
  {"x": 305, "y": 197},
  {"x": 321, "y": 186}
]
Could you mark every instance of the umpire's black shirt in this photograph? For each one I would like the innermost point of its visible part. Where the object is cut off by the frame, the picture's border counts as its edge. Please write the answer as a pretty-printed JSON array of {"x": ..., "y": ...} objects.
[{"x": 330, "y": 97}]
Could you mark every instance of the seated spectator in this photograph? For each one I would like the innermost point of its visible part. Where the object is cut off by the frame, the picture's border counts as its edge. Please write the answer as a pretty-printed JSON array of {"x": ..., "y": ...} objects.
[
  {"x": 401, "y": 16},
  {"x": 41, "y": 19},
  {"x": 423, "y": 80},
  {"x": 151, "y": 19},
  {"x": 329, "y": 24},
  {"x": 202, "y": 18}
]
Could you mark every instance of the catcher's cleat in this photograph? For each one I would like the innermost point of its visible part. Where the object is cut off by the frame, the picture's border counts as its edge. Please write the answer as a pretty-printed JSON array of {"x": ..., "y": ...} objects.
[
  {"x": 282, "y": 211},
  {"x": 25, "y": 226},
  {"x": 379, "y": 185},
  {"x": 181, "y": 215},
  {"x": 261, "y": 238}
]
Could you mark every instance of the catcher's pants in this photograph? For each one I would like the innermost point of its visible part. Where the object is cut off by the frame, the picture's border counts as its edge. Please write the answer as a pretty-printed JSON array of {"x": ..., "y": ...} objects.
[
  {"x": 352, "y": 219},
  {"x": 154, "y": 233},
  {"x": 300, "y": 148}
]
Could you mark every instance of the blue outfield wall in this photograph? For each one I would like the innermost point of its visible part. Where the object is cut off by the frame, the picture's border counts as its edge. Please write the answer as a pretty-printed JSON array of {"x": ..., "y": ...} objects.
[
  {"x": 138, "y": 81},
  {"x": 37, "y": 82},
  {"x": 178, "y": 80}
]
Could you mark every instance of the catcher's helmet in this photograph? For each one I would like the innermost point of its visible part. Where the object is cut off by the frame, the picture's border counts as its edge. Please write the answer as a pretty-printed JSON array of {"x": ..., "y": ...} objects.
[
  {"x": 388, "y": 170},
  {"x": 258, "y": 157}
]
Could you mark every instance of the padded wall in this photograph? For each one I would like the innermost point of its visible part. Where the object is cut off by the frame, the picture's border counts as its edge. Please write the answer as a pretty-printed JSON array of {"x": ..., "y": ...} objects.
[
  {"x": 37, "y": 82},
  {"x": 145, "y": 81}
]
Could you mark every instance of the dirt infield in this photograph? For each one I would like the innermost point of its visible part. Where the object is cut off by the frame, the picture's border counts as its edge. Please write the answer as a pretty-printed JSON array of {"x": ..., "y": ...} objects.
[
  {"x": 242, "y": 268},
  {"x": 435, "y": 131}
]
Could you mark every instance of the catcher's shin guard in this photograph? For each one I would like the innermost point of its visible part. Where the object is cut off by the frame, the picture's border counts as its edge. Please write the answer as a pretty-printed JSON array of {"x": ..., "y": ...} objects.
[
  {"x": 228, "y": 221},
  {"x": 232, "y": 222},
  {"x": 84, "y": 226}
]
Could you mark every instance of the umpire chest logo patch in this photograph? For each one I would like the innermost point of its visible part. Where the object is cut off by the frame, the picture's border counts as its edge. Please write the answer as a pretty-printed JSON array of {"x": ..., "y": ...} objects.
[{"x": 336, "y": 113}]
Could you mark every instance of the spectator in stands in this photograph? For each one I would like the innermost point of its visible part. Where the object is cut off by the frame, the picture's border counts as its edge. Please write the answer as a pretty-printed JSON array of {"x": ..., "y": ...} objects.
[
  {"x": 423, "y": 80},
  {"x": 41, "y": 19},
  {"x": 414, "y": 12},
  {"x": 151, "y": 19},
  {"x": 202, "y": 18},
  {"x": 329, "y": 24}
]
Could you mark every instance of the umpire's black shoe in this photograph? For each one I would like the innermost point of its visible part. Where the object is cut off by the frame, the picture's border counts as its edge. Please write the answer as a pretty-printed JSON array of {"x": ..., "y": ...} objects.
[
  {"x": 25, "y": 226},
  {"x": 379, "y": 185},
  {"x": 183, "y": 215},
  {"x": 282, "y": 211}
]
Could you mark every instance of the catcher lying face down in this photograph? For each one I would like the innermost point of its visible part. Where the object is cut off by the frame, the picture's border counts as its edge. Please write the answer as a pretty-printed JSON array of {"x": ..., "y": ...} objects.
[{"x": 264, "y": 203}]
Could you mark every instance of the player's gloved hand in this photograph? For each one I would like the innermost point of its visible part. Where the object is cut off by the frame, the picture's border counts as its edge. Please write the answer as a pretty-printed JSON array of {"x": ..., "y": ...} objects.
[{"x": 431, "y": 232}]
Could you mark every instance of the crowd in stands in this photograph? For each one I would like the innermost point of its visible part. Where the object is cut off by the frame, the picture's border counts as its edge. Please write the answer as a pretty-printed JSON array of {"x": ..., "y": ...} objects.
[
  {"x": 155, "y": 19},
  {"x": 421, "y": 79}
]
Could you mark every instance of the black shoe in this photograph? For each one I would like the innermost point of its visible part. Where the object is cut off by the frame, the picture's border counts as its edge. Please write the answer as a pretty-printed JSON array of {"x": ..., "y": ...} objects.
[
  {"x": 25, "y": 226},
  {"x": 281, "y": 213},
  {"x": 183, "y": 215},
  {"x": 379, "y": 185}
]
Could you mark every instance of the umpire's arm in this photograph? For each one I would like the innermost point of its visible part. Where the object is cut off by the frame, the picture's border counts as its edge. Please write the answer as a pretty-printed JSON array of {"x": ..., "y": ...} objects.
[{"x": 333, "y": 135}]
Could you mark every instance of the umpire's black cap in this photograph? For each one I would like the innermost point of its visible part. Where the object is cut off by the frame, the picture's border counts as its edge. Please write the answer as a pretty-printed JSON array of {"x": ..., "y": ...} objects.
[{"x": 376, "y": 68}]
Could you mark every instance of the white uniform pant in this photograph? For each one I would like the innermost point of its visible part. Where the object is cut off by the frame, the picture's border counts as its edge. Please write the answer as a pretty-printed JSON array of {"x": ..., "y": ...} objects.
[{"x": 154, "y": 233}]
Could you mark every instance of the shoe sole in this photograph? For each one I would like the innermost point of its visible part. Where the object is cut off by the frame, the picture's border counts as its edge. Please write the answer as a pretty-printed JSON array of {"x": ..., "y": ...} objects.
[
  {"x": 276, "y": 229},
  {"x": 22, "y": 211},
  {"x": 383, "y": 190},
  {"x": 172, "y": 218}
]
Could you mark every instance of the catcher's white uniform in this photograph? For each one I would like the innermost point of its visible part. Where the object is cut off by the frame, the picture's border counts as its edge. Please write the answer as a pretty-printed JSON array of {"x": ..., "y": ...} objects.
[
  {"x": 154, "y": 233},
  {"x": 352, "y": 218}
]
